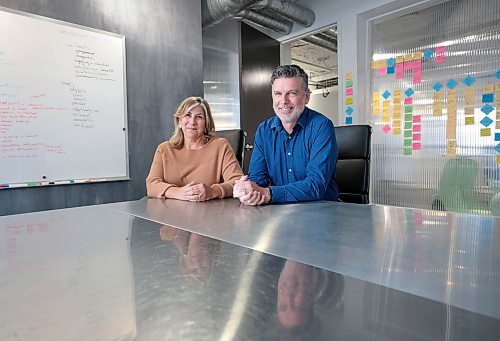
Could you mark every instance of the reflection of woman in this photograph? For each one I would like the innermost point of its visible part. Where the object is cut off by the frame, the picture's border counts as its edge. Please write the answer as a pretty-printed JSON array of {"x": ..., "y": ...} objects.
[
  {"x": 194, "y": 164},
  {"x": 197, "y": 252}
]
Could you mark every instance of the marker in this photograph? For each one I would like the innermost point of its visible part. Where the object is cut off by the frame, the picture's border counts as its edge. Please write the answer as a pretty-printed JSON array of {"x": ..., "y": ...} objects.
[
  {"x": 51, "y": 182},
  {"x": 17, "y": 185},
  {"x": 63, "y": 182},
  {"x": 4, "y": 185},
  {"x": 31, "y": 184}
]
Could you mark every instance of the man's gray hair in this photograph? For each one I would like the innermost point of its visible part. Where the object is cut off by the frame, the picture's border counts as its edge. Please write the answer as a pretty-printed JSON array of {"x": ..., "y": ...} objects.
[{"x": 290, "y": 71}]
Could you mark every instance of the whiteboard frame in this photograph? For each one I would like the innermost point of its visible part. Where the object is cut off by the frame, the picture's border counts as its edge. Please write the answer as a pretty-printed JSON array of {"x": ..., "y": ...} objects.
[{"x": 127, "y": 161}]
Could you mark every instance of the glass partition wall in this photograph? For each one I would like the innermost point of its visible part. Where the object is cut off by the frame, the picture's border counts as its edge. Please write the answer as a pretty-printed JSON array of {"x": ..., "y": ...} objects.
[{"x": 435, "y": 107}]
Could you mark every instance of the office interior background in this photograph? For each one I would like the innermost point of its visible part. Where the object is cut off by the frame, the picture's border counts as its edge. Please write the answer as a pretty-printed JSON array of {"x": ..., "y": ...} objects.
[{"x": 434, "y": 126}]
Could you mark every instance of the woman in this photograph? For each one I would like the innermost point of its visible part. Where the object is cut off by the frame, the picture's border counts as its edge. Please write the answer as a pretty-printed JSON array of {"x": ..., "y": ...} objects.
[{"x": 194, "y": 164}]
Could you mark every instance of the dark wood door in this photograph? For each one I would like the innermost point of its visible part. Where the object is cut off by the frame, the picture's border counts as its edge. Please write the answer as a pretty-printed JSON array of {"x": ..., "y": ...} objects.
[{"x": 260, "y": 54}]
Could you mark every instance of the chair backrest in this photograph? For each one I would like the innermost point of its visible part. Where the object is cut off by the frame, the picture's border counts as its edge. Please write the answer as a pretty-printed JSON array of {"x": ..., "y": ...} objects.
[
  {"x": 353, "y": 165},
  {"x": 237, "y": 139}
]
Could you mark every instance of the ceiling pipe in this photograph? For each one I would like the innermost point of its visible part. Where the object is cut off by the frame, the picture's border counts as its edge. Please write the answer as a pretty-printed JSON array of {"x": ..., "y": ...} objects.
[
  {"x": 331, "y": 32},
  {"x": 289, "y": 10},
  {"x": 327, "y": 38},
  {"x": 216, "y": 11},
  {"x": 267, "y": 19},
  {"x": 314, "y": 40}
]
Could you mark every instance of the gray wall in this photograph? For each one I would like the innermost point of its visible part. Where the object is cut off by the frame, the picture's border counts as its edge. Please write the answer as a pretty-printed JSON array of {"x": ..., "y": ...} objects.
[{"x": 164, "y": 65}]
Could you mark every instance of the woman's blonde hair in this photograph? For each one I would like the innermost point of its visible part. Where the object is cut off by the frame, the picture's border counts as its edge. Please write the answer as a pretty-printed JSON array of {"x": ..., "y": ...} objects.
[{"x": 177, "y": 139}]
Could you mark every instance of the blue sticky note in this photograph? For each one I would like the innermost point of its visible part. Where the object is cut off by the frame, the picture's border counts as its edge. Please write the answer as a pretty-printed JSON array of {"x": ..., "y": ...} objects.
[
  {"x": 497, "y": 74},
  {"x": 497, "y": 136},
  {"x": 348, "y": 120},
  {"x": 469, "y": 80},
  {"x": 349, "y": 111},
  {"x": 437, "y": 86},
  {"x": 487, "y": 98},
  {"x": 497, "y": 148},
  {"x": 428, "y": 54},
  {"x": 391, "y": 62},
  {"x": 487, "y": 109},
  {"x": 409, "y": 92},
  {"x": 486, "y": 121},
  {"x": 390, "y": 70},
  {"x": 451, "y": 84},
  {"x": 386, "y": 94}
]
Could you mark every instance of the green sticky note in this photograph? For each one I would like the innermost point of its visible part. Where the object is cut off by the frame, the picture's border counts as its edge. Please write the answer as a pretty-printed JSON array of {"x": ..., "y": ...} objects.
[
  {"x": 408, "y": 117},
  {"x": 408, "y": 125},
  {"x": 408, "y": 108},
  {"x": 407, "y": 151},
  {"x": 408, "y": 133},
  {"x": 407, "y": 142},
  {"x": 348, "y": 83}
]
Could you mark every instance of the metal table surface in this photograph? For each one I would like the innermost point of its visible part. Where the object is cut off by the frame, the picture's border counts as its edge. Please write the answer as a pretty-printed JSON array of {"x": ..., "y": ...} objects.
[{"x": 164, "y": 269}]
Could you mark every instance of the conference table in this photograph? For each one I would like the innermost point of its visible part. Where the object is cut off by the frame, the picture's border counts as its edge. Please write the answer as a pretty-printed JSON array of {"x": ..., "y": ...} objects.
[{"x": 156, "y": 269}]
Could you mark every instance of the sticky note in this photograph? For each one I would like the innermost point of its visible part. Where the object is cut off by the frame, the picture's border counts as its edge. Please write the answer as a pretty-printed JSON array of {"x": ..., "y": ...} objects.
[
  {"x": 417, "y": 128},
  {"x": 485, "y": 132},
  {"x": 407, "y": 151},
  {"x": 386, "y": 128},
  {"x": 397, "y": 95},
  {"x": 407, "y": 133},
  {"x": 497, "y": 124},
  {"x": 407, "y": 142},
  {"x": 497, "y": 159},
  {"x": 376, "y": 103},
  {"x": 488, "y": 89},
  {"x": 348, "y": 83},
  {"x": 487, "y": 98},
  {"x": 400, "y": 73},
  {"x": 408, "y": 125},
  {"x": 348, "y": 120},
  {"x": 417, "y": 71},
  {"x": 416, "y": 146},
  {"x": 396, "y": 131},
  {"x": 469, "y": 120},
  {"x": 469, "y": 111},
  {"x": 408, "y": 117},
  {"x": 348, "y": 75},
  {"x": 348, "y": 100},
  {"x": 391, "y": 70},
  {"x": 382, "y": 71},
  {"x": 408, "y": 108},
  {"x": 416, "y": 118},
  {"x": 451, "y": 147},
  {"x": 409, "y": 100},
  {"x": 348, "y": 92},
  {"x": 417, "y": 137},
  {"x": 400, "y": 59}
]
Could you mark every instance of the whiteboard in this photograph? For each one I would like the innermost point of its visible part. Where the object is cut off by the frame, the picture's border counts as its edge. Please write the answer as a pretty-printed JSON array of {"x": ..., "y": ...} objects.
[{"x": 63, "y": 116}]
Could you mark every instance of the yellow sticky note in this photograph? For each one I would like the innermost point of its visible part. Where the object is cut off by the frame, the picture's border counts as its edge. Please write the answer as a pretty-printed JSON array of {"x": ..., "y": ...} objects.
[
  {"x": 417, "y": 55},
  {"x": 470, "y": 91},
  {"x": 386, "y": 118},
  {"x": 469, "y": 110},
  {"x": 348, "y": 75},
  {"x": 376, "y": 103},
  {"x": 452, "y": 109},
  {"x": 469, "y": 100},
  {"x": 469, "y": 120},
  {"x": 497, "y": 125},
  {"x": 408, "y": 57},
  {"x": 396, "y": 131},
  {"x": 437, "y": 109},
  {"x": 497, "y": 157},
  {"x": 488, "y": 89},
  {"x": 348, "y": 100},
  {"x": 497, "y": 90},
  {"x": 485, "y": 132},
  {"x": 451, "y": 96},
  {"x": 451, "y": 131},
  {"x": 451, "y": 147},
  {"x": 380, "y": 63},
  {"x": 397, "y": 95},
  {"x": 400, "y": 59}
]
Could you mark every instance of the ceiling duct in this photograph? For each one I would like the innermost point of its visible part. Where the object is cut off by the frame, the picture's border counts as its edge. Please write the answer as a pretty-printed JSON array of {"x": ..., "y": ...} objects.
[
  {"x": 289, "y": 10},
  {"x": 272, "y": 14},
  {"x": 267, "y": 19},
  {"x": 321, "y": 42},
  {"x": 216, "y": 11}
]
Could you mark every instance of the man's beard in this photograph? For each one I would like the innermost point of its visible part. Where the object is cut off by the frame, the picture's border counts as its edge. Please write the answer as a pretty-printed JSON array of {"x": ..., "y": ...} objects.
[{"x": 293, "y": 116}]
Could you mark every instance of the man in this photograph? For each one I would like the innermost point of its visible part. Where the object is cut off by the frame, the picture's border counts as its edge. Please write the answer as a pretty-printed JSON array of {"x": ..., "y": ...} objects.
[{"x": 295, "y": 152}]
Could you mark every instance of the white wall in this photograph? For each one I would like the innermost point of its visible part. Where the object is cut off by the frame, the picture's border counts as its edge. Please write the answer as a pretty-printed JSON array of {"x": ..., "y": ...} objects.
[{"x": 326, "y": 105}]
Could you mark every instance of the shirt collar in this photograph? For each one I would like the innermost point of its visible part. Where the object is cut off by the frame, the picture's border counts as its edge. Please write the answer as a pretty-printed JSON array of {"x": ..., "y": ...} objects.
[{"x": 276, "y": 124}]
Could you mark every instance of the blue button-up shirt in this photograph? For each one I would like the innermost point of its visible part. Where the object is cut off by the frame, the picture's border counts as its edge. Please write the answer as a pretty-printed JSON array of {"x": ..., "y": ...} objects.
[{"x": 299, "y": 166}]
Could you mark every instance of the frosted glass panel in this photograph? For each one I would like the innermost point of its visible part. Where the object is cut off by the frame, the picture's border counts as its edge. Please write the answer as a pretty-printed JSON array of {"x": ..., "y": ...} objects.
[
  {"x": 435, "y": 91},
  {"x": 221, "y": 73}
]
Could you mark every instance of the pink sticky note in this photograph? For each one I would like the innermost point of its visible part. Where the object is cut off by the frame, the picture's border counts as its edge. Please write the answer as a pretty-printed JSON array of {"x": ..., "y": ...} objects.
[
  {"x": 408, "y": 66},
  {"x": 408, "y": 100},
  {"x": 386, "y": 128},
  {"x": 348, "y": 92},
  {"x": 416, "y": 146},
  {"x": 417, "y": 137},
  {"x": 382, "y": 71},
  {"x": 440, "y": 50},
  {"x": 417, "y": 71},
  {"x": 416, "y": 118},
  {"x": 417, "y": 128},
  {"x": 400, "y": 73}
]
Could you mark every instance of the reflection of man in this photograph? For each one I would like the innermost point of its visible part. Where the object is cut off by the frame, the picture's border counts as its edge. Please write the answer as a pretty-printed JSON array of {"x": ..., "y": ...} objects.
[
  {"x": 295, "y": 152},
  {"x": 296, "y": 295}
]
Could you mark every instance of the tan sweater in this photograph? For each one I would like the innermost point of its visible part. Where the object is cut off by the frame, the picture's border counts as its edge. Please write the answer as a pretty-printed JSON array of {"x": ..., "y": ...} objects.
[{"x": 214, "y": 165}]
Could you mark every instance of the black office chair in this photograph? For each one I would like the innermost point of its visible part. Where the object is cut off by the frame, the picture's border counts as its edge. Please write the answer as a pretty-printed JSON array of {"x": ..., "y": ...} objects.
[
  {"x": 353, "y": 165},
  {"x": 237, "y": 139}
]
